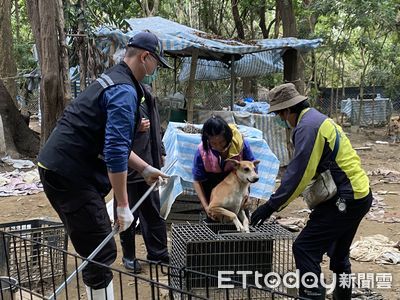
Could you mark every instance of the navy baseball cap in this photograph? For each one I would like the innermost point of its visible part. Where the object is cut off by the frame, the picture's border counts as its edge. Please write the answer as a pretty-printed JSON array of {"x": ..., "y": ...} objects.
[{"x": 148, "y": 41}]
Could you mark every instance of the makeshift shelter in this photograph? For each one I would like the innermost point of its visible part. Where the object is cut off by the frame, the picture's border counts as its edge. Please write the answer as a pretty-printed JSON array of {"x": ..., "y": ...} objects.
[{"x": 181, "y": 41}]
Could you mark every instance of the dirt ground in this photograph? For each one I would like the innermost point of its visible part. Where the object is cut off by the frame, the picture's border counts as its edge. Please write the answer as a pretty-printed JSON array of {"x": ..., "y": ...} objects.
[{"x": 380, "y": 156}]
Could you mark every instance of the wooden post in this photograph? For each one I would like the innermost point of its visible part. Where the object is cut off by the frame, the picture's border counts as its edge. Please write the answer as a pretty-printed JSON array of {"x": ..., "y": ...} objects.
[
  {"x": 175, "y": 75},
  {"x": 232, "y": 81},
  {"x": 190, "y": 88},
  {"x": 290, "y": 69},
  {"x": 373, "y": 104}
]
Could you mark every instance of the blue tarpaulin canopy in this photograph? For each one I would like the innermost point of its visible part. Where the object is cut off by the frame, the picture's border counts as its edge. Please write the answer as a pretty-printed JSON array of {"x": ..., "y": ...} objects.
[{"x": 256, "y": 58}]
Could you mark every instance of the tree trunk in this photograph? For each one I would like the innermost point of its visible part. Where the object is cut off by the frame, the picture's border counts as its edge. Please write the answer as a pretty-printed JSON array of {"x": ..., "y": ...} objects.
[
  {"x": 8, "y": 68},
  {"x": 43, "y": 17},
  {"x": 246, "y": 82},
  {"x": 19, "y": 138},
  {"x": 17, "y": 20},
  {"x": 190, "y": 88},
  {"x": 332, "y": 84},
  {"x": 262, "y": 23},
  {"x": 277, "y": 22},
  {"x": 246, "y": 85},
  {"x": 150, "y": 10},
  {"x": 286, "y": 12},
  {"x": 292, "y": 61},
  {"x": 66, "y": 84},
  {"x": 81, "y": 42},
  {"x": 237, "y": 20}
]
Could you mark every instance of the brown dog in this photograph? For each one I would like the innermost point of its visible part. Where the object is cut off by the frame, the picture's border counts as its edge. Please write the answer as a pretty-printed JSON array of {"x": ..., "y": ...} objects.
[{"x": 228, "y": 198}]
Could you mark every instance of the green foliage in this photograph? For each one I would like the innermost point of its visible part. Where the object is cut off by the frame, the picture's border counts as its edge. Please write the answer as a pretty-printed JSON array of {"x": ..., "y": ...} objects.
[
  {"x": 359, "y": 40},
  {"x": 22, "y": 38},
  {"x": 101, "y": 12},
  {"x": 360, "y": 37}
]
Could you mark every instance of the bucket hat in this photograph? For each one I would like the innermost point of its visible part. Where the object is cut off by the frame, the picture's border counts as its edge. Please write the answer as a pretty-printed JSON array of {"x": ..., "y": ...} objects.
[{"x": 284, "y": 96}]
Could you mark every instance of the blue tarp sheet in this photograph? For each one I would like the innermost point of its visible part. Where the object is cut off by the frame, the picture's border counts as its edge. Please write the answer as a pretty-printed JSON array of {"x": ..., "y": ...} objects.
[
  {"x": 258, "y": 58},
  {"x": 183, "y": 146},
  {"x": 377, "y": 112}
]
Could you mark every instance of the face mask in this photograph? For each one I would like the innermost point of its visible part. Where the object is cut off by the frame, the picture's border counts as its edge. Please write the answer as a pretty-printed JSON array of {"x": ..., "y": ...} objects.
[
  {"x": 148, "y": 79},
  {"x": 288, "y": 124},
  {"x": 281, "y": 123}
]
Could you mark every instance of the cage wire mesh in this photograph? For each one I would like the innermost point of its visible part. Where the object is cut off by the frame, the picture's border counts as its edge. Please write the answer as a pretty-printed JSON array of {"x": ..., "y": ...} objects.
[
  {"x": 346, "y": 107},
  {"x": 214, "y": 247},
  {"x": 159, "y": 281},
  {"x": 28, "y": 254},
  {"x": 27, "y": 93},
  {"x": 216, "y": 95}
]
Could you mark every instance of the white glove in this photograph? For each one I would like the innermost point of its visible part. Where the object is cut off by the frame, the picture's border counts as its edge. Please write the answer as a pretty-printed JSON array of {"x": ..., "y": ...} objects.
[
  {"x": 125, "y": 218},
  {"x": 160, "y": 183},
  {"x": 151, "y": 174}
]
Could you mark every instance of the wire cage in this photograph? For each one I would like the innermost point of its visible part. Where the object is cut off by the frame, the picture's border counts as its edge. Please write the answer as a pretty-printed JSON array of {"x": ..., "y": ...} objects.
[
  {"x": 214, "y": 248},
  {"x": 29, "y": 254},
  {"x": 159, "y": 281}
]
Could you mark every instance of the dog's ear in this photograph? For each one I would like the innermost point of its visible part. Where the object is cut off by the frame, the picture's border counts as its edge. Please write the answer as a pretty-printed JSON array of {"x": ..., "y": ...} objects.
[
  {"x": 234, "y": 162},
  {"x": 256, "y": 162}
]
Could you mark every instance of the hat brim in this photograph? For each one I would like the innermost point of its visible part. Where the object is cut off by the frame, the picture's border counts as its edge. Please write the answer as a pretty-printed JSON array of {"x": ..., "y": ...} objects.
[
  {"x": 162, "y": 61},
  {"x": 287, "y": 104}
]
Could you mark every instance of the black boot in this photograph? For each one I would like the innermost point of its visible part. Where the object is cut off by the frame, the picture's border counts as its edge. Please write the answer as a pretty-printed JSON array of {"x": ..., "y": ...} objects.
[
  {"x": 132, "y": 265},
  {"x": 341, "y": 293},
  {"x": 312, "y": 293}
]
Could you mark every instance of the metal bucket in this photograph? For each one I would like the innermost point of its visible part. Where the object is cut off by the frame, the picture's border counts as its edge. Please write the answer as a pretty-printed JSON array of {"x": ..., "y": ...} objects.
[{"x": 8, "y": 286}]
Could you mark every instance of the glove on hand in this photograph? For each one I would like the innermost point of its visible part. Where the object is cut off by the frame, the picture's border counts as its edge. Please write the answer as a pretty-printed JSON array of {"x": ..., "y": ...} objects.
[
  {"x": 125, "y": 218},
  {"x": 151, "y": 174},
  {"x": 261, "y": 214}
]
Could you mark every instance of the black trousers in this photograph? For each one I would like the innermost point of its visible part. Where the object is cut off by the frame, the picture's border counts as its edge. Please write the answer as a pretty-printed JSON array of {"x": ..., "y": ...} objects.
[
  {"x": 152, "y": 225},
  {"x": 84, "y": 214},
  {"x": 329, "y": 231}
]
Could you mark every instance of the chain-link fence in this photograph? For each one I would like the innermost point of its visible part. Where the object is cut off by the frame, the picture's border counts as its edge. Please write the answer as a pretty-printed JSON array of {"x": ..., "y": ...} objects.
[
  {"x": 26, "y": 89},
  {"x": 342, "y": 104},
  {"x": 347, "y": 107}
]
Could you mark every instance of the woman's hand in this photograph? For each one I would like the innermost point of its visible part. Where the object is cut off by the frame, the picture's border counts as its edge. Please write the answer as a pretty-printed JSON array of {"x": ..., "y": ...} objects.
[{"x": 144, "y": 125}]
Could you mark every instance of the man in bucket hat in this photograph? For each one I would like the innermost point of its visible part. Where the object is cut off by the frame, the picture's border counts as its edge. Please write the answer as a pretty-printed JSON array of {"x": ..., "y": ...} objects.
[
  {"x": 333, "y": 223},
  {"x": 88, "y": 153}
]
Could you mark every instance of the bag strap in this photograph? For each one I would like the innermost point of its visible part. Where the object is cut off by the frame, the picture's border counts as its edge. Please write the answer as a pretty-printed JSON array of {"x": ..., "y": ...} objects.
[{"x": 336, "y": 147}]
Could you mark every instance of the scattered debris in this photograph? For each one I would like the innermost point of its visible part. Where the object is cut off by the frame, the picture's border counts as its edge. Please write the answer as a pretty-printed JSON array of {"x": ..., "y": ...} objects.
[
  {"x": 387, "y": 193},
  {"x": 381, "y": 142},
  {"x": 290, "y": 223},
  {"x": 362, "y": 148},
  {"x": 377, "y": 212},
  {"x": 384, "y": 172},
  {"x": 18, "y": 163},
  {"x": 383, "y": 216},
  {"x": 366, "y": 294},
  {"x": 377, "y": 248},
  {"x": 389, "y": 176},
  {"x": 190, "y": 128},
  {"x": 304, "y": 210},
  {"x": 20, "y": 183}
]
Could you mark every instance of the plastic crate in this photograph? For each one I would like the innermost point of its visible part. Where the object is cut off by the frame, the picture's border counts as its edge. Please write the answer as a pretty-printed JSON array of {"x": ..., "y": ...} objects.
[{"x": 29, "y": 259}]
